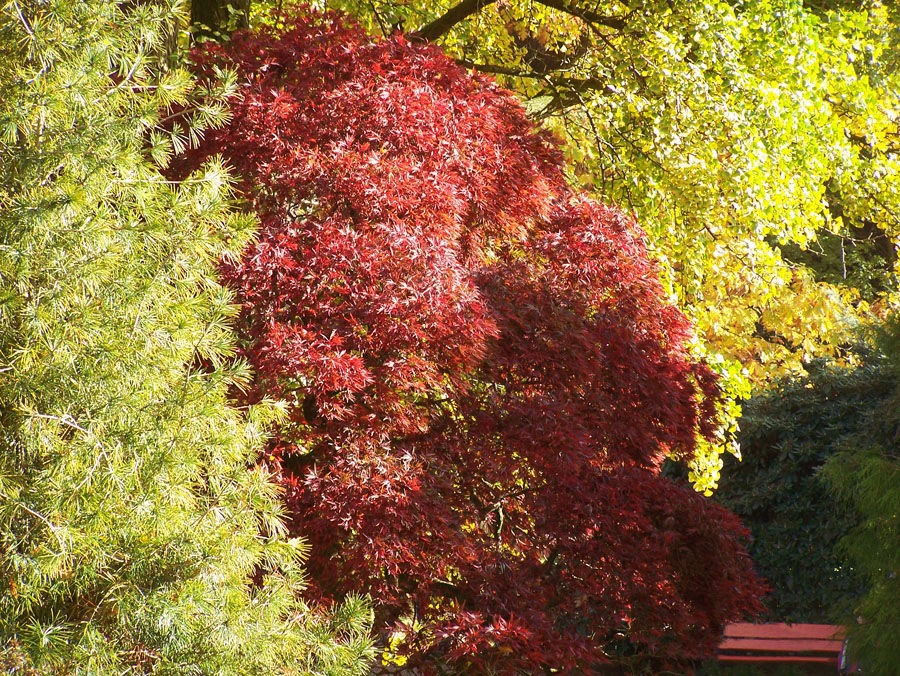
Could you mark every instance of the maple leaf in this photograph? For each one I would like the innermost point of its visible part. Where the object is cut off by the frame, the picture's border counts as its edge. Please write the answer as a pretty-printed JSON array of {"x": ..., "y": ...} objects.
[{"x": 482, "y": 370}]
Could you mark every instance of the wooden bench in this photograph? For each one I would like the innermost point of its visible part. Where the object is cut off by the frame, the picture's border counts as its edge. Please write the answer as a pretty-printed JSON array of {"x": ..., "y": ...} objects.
[{"x": 783, "y": 643}]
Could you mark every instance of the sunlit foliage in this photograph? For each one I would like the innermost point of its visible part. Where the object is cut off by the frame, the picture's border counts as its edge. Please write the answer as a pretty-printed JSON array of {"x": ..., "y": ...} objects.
[
  {"x": 136, "y": 536},
  {"x": 756, "y": 141},
  {"x": 481, "y": 369}
]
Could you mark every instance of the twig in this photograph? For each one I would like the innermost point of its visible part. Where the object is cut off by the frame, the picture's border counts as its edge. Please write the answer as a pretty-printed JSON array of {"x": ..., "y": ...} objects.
[{"x": 22, "y": 18}]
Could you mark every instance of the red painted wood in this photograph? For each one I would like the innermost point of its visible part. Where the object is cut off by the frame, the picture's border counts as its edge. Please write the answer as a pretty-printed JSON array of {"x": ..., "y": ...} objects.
[
  {"x": 775, "y": 630},
  {"x": 781, "y": 659},
  {"x": 790, "y": 645},
  {"x": 782, "y": 643}
]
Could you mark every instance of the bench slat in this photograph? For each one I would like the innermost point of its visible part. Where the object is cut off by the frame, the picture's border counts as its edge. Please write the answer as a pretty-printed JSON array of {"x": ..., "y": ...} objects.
[
  {"x": 781, "y": 659},
  {"x": 782, "y": 643},
  {"x": 790, "y": 645},
  {"x": 750, "y": 630}
]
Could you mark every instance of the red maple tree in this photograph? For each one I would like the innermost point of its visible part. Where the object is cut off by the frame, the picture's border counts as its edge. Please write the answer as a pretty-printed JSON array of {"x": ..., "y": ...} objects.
[{"x": 481, "y": 372}]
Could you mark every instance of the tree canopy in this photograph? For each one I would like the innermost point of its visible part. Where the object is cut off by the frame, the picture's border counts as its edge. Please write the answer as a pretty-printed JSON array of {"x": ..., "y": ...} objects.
[
  {"x": 482, "y": 371},
  {"x": 756, "y": 142},
  {"x": 462, "y": 366},
  {"x": 136, "y": 533}
]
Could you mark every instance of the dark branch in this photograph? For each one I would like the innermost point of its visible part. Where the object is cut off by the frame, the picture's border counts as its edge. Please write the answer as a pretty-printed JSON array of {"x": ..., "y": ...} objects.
[
  {"x": 614, "y": 22},
  {"x": 495, "y": 69},
  {"x": 443, "y": 24},
  {"x": 567, "y": 92}
]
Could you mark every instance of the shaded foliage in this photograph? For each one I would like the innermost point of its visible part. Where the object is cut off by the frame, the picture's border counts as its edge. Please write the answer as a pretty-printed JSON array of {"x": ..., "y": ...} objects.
[
  {"x": 867, "y": 477},
  {"x": 787, "y": 436},
  {"x": 818, "y": 490},
  {"x": 862, "y": 259}
]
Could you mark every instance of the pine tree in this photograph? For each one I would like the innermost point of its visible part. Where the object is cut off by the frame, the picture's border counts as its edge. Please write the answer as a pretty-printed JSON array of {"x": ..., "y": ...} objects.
[{"x": 137, "y": 534}]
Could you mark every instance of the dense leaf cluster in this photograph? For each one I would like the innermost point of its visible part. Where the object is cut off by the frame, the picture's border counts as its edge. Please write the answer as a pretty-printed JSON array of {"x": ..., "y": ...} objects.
[
  {"x": 481, "y": 372},
  {"x": 756, "y": 141},
  {"x": 132, "y": 516},
  {"x": 787, "y": 435},
  {"x": 867, "y": 476}
]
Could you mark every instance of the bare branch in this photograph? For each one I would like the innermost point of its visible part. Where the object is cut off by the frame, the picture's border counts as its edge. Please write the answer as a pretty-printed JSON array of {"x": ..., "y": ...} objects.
[{"x": 445, "y": 23}]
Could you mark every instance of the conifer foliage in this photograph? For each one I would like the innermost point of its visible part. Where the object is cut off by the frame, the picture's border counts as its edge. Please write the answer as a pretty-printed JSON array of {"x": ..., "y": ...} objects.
[
  {"x": 867, "y": 476},
  {"x": 481, "y": 373},
  {"x": 131, "y": 529}
]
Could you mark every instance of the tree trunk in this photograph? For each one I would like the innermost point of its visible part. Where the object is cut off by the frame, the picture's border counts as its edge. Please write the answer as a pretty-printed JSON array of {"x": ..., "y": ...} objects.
[{"x": 214, "y": 18}]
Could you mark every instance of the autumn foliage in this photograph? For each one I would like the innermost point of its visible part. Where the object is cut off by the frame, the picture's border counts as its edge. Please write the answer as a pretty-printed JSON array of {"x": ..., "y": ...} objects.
[{"x": 481, "y": 373}]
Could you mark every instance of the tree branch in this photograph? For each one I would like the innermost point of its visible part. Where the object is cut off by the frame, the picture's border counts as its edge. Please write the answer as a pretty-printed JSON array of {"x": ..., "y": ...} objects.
[
  {"x": 443, "y": 24},
  {"x": 495, "y": 69},
  {"x": 615, "y": 22}
]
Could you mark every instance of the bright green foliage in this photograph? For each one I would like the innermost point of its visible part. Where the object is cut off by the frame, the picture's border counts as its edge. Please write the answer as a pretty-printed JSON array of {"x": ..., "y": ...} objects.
[
  {"x": 868, "y": 476},
  {"x": 733, "y": 130},
  {"x": 788, "y": 434},
  {"x": 137, "y": 533}
]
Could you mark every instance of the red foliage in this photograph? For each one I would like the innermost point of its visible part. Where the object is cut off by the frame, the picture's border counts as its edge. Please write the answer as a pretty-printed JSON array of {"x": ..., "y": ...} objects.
[{"x": 482, "y": 374}]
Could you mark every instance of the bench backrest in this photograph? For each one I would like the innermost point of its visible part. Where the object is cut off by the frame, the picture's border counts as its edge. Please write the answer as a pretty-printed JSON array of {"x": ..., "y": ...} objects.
[{"x": 747, "y": 642}]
